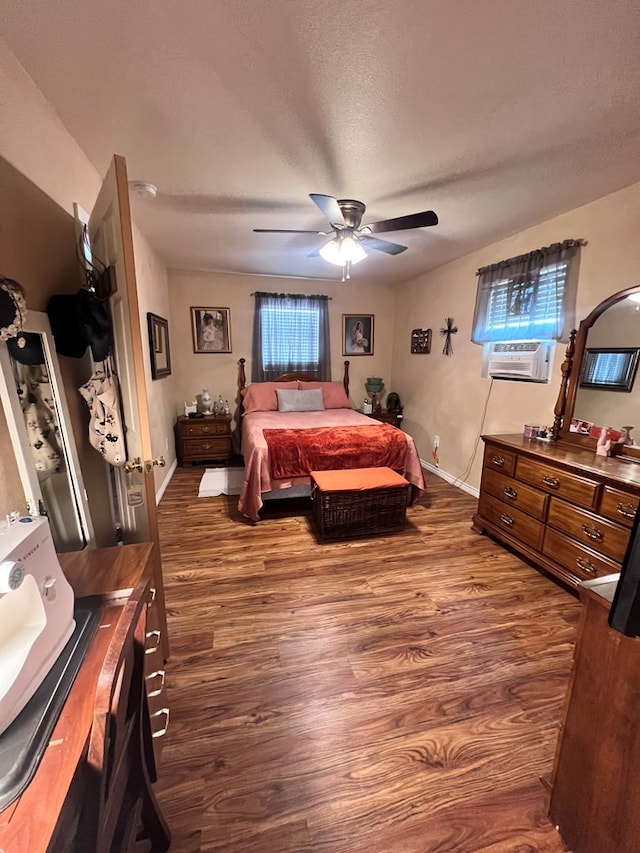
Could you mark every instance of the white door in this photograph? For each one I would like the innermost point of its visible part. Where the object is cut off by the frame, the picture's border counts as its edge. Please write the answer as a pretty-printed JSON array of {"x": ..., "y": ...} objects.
[{"x": 111, "y": 241}]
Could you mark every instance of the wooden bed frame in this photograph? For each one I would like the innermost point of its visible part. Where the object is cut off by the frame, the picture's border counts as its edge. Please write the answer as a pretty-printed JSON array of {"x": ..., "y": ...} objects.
[{"x": 288, "y": 377}]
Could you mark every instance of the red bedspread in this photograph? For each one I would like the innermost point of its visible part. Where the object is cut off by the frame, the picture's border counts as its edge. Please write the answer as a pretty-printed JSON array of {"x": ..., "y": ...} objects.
[{"x": 296, "y": 452}]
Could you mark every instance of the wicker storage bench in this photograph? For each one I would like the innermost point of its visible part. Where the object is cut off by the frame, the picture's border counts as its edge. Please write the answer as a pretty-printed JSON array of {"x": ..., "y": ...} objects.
[{"x": 358, "y": 502}]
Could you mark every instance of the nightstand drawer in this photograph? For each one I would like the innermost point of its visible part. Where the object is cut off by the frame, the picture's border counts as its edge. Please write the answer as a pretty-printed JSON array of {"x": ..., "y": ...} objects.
[
  {"x": 194, "y": 428},
  {"x": 207, "y": 448}
]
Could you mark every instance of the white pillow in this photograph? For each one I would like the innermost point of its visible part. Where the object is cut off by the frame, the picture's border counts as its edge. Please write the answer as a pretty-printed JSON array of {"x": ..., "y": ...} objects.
[{"x": 300, "y": 401}]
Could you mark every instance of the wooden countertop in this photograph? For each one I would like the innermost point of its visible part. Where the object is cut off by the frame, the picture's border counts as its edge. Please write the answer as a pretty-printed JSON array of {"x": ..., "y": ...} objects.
[{"x": 109, "y": 575}]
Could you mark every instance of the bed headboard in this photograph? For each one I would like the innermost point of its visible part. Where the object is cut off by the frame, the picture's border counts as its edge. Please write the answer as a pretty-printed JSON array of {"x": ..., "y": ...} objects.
[{"x": 290, "y": 377}]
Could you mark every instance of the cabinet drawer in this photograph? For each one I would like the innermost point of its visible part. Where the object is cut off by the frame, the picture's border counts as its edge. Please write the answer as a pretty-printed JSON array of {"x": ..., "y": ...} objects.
[
  {"x": 618, "y": 505},
  {"x": 514, "y": 522},
  {"x": 497, "y": 459},
  {"x": 514, "y": 493},
  {"x": 194, "y": 428},
  {"x": 204, "y": 448},
  {"x": 603, "y": 536},
  {"x": 580, "y": 561},
  {"x": 558, "y": 482}
]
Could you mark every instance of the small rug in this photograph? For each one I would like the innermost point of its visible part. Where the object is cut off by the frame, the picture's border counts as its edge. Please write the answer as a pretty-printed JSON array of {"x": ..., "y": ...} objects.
[{"x": 221, "y": 481}]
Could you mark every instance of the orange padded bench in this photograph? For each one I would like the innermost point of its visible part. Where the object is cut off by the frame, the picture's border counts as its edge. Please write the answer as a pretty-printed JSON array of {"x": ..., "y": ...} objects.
[{"x": 358, "y": 502}]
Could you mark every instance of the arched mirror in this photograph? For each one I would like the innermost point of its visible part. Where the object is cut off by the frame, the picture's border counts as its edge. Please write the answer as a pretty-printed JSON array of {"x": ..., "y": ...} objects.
[
  {"x": 602, "y": 379},
  {"x": 38, "y": 420}
]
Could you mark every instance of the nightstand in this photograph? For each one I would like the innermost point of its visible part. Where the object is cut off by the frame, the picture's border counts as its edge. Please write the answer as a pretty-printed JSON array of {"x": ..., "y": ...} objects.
[
  {"x": 203, "y": 439},
  {"x": 393, "y": 418}
]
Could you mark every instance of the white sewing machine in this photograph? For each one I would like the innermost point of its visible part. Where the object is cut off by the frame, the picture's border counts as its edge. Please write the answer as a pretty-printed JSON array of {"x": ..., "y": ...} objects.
[{"x": 36, "y": 613}]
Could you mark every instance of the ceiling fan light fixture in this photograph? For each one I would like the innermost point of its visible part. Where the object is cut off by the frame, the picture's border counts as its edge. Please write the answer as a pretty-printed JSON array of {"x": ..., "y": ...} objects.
[{"x": 342, "y": 250}]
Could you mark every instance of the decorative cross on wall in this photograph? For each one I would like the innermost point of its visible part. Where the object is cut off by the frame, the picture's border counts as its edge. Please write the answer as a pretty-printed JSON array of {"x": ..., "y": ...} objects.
[{"x": 446, "y": 334}]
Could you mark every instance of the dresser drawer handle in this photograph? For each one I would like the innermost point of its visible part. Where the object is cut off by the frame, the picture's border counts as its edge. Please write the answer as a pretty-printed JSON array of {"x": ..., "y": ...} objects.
[
  {"x": 150, "y": 649},
  {"x": 552, "y": 482},
  {"x": 162, "y": 712},
  {"x": 159, "y": 673},
  {"x": 586, "y": 566},
  {"x": 498, "y": 461},
  {"x": 628, "y": 510},
  {"x": 510, "y": 493},
  {"x": 592, "y": 532},
  {"x": 506, "y": 519}
]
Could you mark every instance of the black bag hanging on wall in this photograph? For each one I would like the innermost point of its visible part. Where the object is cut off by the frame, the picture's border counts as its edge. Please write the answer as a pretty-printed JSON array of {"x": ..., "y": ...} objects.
[{"x": 80, "y": 320}]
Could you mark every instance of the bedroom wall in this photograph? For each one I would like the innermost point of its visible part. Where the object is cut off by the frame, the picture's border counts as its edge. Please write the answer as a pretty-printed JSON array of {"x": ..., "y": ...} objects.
[
  {"x": 446, "y": 396},
  {"x": 36, "y": 143},
  {"x": 218, "y": 371}
]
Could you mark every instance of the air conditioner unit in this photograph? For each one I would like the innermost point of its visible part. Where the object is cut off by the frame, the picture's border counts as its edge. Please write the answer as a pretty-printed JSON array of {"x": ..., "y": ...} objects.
[{"x": 530, "y": 360}]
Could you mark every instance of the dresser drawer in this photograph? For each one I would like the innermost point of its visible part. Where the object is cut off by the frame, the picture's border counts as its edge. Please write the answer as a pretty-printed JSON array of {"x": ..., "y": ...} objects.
[
  {"x": 558, "y": 482},
  {"x": 514, "y": 522},
  {"x": 497, "y": 459},
  {"x": 207, "y": 448},
  {"x": 580, "y": 561},
  {"x": 603, "y": 536},
  {"x": 514, "y": 493},
  {"x": 618, "y": 505},
  {"x": 204, "y": 428}
]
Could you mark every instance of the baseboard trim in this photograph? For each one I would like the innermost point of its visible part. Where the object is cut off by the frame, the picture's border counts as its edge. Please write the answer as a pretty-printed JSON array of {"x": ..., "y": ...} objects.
[
  {"x": 465, "y": 487},
  {"x": 165, "y": 482}
]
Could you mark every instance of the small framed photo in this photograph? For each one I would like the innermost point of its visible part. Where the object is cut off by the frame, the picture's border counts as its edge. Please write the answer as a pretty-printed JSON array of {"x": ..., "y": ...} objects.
[
  {"x": 357, "y": 334},
  {"x": 211, "y": 328},
  {"x": 611, "y": 369}
]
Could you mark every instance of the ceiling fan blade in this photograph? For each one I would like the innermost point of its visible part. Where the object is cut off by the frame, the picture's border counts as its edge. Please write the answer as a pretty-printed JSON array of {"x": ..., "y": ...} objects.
[
  {"x": 329, "y": 206},
  {"x": 413, "y": 220},
  {"x": 284, "y": 231},
  {"x": 381, "y": 245}
]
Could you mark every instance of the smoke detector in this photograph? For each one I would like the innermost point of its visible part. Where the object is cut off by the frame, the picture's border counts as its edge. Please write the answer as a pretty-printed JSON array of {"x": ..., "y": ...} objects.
[{"x": 144, "y": 189}]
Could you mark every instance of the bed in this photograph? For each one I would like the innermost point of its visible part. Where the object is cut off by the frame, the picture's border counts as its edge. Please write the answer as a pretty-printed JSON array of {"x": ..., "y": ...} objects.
[{"x": 280, "y": 448}]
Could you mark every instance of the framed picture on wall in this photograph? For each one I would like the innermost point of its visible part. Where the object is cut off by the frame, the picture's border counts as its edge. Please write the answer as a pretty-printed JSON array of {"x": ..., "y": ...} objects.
[
  {"x": 158, "y": 329},
  {"x": 211, "y": 328},
  {"x": 357, "y": 334}
]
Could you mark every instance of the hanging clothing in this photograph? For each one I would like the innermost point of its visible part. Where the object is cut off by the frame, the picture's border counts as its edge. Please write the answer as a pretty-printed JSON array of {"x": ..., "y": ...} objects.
[
  {"x": 38, "y": 407},
  {"x": 106, "y": 430}
]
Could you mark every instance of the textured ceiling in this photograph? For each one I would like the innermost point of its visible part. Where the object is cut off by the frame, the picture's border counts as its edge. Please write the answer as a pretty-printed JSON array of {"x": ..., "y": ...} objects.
[{"x": 496, "y": 114}]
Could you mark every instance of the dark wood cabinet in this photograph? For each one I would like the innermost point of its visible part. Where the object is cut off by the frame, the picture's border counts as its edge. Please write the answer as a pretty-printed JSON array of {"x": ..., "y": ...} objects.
[
  {"x": 564, "y": 508},
  {"x": 204, "y": 439},
  {"x": 595, "y": 794},
  {"x": 393, "y": 418}
]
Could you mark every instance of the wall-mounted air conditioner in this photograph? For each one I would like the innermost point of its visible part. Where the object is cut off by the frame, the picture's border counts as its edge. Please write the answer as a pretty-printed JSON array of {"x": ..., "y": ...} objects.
[{"x": 530, "y": 360}]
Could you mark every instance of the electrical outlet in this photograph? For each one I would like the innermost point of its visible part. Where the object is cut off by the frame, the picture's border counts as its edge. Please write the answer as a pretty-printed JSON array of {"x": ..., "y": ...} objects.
[{"x": 436, "y": 441}]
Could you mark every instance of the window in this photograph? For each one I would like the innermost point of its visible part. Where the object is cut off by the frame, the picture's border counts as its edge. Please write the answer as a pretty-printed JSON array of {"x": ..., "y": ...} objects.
[
  {"x": 530, "y": 297},
  {"x": 291, "y": 335}
]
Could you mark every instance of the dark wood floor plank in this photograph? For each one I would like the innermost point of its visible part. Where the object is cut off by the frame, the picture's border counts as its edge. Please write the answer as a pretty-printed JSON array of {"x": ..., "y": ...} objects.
[{"x": 394, "y": 694}]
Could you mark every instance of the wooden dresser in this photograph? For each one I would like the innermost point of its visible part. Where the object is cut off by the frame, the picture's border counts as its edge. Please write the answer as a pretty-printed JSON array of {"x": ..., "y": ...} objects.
[
  {"x": 202, "y": 439},
  {"x": 564, "y": 508},
  {"x": 47, "y": 810}
]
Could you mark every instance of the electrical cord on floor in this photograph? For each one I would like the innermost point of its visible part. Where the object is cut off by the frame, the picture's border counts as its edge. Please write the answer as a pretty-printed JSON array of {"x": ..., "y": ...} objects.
[{"x": 467, "y": 470}]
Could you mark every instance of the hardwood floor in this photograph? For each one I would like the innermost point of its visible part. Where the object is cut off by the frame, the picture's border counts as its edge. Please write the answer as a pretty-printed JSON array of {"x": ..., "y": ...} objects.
[{"x": 391, "y": 695}]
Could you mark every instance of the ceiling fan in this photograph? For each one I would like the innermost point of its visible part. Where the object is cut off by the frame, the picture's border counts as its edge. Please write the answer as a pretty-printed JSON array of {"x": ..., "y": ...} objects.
[{"x": 351, "y": 238}]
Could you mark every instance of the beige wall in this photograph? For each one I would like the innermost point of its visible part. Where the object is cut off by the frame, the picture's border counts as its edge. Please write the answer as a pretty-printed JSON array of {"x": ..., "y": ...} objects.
[
  {"x": 446, "y": 396},
  {"x": 218, "y": 371}
]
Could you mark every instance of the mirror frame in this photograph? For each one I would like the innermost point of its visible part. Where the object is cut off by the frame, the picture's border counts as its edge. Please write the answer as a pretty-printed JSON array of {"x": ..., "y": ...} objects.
[
  {"x": 158, "y": 330},
  {"x": 572, "y": 370}
]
